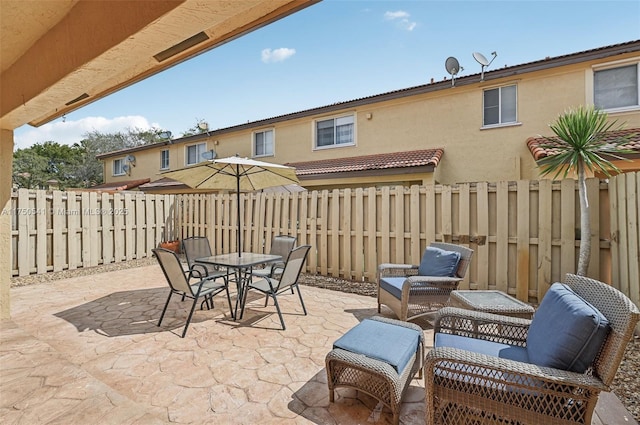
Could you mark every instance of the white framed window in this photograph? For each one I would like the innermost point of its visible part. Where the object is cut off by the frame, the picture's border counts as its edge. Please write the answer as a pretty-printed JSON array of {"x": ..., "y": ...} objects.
[
  {"x": 118, "y": 167},
  {"x": 164, "y": 159},
  {"x": 263, "y": 143},
  {"x": 500, "y": 106},
  {"x": 332, "y": 132},
  {"x": 617, "y": 87},
  {"x": 194, "y": 153}
]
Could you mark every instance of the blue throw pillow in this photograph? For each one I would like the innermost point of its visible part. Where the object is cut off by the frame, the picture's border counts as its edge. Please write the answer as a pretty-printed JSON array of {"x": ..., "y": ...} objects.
[
  {"x": 438, "y": 262},
  {"x": 566, "y": 331}
]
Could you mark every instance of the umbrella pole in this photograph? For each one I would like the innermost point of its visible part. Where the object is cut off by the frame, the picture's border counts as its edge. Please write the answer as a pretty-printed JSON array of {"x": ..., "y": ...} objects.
[{"x": 239, "y": 233}]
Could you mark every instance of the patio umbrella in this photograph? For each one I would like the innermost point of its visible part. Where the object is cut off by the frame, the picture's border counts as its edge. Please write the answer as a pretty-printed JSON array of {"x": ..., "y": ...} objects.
[{"x": 235, "y": 173}]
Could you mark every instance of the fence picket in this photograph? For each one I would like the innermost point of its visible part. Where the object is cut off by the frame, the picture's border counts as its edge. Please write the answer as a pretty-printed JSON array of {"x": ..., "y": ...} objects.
[
  {"x": 358, "y": 228},
  {"x": 41, "y": 231},
  {"x": 346, "y": 247},
  {"x": 502, "y": 236},
  {"x": 567, "y": 227},
  {"x": 544, "y": 227},
  {"x": 118, "y": 228},
  {"x": 482, "y": 248},
  {"x": 74, "y": 231},
  {"x": 464, "y": 223}
]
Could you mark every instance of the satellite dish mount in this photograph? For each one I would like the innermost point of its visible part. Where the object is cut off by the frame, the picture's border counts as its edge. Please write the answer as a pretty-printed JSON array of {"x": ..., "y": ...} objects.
[
  {"x": 479, "y": 57},
  {"x": 453, "y": 67}
]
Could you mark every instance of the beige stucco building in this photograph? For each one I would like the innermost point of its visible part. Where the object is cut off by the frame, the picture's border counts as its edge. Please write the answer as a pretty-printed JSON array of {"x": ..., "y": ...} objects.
[{"x": 474, "y": 130}]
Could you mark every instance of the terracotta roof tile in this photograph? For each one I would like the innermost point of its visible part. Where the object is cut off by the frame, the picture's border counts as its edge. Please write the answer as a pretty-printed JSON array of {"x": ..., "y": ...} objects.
[
  {"x": 541, "y": 147},
  {"x": 117, "y": 186},
  {"x": 164, "y": 183},
  {"x": 370, "y": 162}
]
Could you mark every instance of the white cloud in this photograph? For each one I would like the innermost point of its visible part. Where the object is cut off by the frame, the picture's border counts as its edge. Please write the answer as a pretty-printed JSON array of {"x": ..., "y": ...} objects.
[
  {"x": 277, "y": 55},
  {"x": 399, "y": 14},
  {"x": 401, "y": 18},
  {"x": 70, "y": 132}
]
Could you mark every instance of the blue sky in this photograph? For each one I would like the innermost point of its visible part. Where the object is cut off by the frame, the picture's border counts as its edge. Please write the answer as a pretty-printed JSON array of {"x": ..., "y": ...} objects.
[{"x": 339, "y": 50}]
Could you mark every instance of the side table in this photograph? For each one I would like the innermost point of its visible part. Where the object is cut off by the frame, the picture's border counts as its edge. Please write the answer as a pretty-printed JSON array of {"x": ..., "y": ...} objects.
[{"x": 496, "y": 302}]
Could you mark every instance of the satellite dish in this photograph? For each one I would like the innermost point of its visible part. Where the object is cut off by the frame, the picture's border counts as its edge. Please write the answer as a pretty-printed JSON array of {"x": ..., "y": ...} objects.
[
  {"x": 479, "y": 57},
  {"x": 131, "y": 158},
  {"x": 203, "y": 125},
  {"x": 126, "y": 168},
  {"x": 165, "y": 134},
  {"x": 453, "y": 67},
  {"x": 209, "y": 155}
]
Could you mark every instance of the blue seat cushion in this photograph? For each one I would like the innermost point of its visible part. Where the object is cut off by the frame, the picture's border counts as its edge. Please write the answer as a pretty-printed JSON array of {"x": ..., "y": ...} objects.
[
  {"x": 566, "y": 331},
  {"x": 488, "y": 377},
  {"x": 393, "y": 285},
  {"x": 391, "y": 344},
  {"x": 438, "y": 262},
  {"x": 489, "y": 348}
]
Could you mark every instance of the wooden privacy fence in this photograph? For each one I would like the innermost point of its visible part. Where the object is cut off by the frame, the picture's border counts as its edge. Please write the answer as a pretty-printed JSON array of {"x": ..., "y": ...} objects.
[
  {"x": 54, "y": 231},
  {"x": 525, "y": 234},
  {"x": 624, "y": 194}
]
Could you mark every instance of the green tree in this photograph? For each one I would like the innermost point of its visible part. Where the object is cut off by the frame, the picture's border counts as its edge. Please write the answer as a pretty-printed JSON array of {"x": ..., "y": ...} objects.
[
  {"x": 76, "y": 165},
  {"x": 29, "y": 169},
  {"x": 34, "y": 166},
  {"x": 580, "y": 145},
  {"x": 201, "y": 126},
  {"x": 89, "y": 169}
]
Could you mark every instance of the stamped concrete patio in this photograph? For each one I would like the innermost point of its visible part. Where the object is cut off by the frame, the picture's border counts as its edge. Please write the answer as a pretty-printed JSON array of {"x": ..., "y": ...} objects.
[{"x": 86, "y": 350}]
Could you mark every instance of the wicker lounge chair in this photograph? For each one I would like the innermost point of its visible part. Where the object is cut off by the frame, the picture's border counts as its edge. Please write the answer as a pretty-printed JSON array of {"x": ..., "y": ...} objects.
[
  {"x": 506, "y": 387},
  {"x": 409, "y": 295}
]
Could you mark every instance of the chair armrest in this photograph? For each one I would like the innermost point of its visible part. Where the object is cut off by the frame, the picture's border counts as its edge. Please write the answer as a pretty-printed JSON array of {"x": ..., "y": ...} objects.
[
  {"x": 396, "y": 270},
  {"x": 480, "y": 325},
  {"x": 195, "y": 272},
  {"x": 434, "y": 280},
  {"x": 497, "y": 373}
]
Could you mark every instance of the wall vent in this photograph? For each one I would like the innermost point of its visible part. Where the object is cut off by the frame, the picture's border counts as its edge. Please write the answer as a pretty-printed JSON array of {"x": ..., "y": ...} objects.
[
  {"x": 181, "y": 47},
  {"x": 77, "y": 99}
]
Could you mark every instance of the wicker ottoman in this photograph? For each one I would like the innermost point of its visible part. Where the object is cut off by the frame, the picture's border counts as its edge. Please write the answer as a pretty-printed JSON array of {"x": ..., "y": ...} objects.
[{"x": 362, "y": 359}]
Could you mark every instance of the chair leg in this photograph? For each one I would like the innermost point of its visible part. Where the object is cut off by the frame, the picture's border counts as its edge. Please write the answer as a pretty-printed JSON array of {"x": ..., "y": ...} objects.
[
  {"x": 275, "y": 301},
  {"x": 226, "y": 288},
  {"x": 164, "y": 310},
  {"x": 300, "y": 296},
  {"x": 193, "y": 307},
  {"x": 242, "y": 303}
]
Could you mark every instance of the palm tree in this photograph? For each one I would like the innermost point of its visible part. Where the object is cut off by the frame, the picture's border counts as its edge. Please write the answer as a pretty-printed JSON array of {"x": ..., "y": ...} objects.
[{"x": 579, "y": 146}]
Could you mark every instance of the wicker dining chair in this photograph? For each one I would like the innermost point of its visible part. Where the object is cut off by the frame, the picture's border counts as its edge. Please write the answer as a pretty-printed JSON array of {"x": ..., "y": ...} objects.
[
  {"x": 472, "y": 385},
  {"x": 411, "y": 295}
]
